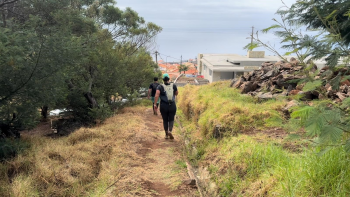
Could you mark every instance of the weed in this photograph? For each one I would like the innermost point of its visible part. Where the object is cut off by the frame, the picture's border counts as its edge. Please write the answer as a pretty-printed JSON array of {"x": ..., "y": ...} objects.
[{"x": 181, "y": 163}]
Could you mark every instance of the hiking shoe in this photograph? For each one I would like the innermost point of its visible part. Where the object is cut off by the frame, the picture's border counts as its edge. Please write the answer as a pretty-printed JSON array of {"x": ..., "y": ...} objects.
[{"x": 171, "y": 136}]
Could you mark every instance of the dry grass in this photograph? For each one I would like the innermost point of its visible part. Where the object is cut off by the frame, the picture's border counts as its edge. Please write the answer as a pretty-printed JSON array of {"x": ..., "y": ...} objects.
[{"x": 86, "y": 163}]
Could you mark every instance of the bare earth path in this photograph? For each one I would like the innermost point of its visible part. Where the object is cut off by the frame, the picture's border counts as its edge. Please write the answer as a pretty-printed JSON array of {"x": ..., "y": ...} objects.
[
  {"x": 140, "y": 163},
  {"x": 163, "y": 168}
]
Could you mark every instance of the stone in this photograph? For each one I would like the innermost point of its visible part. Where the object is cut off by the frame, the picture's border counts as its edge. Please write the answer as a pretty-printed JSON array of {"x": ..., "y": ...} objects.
[
  {"x": 341, "y": 96},
  {"x": 190, "y": 182},
  {"x": 300, "y": 86},
  {"x": 294, "y": 92},
  {"x": 269, "y": 74},
  {"x": 346, "y": 82},
  {"x": 248, "y": 87},
  {"x": 265, "y": 96},
  {"x": 238, "y": 83},
  {"x": 344, "y": 89},
  {"x": 290, "y": 104}
]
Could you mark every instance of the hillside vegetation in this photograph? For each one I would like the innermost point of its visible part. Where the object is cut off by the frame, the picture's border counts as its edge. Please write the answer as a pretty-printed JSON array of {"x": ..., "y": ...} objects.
[
  {"x": 84, "y": 163},
  {"x": 254, "y": 155}
]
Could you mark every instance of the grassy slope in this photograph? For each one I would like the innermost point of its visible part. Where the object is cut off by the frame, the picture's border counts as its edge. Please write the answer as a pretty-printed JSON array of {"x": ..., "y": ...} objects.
[
  {"x": 85, "y": 163},
  {"x": 256, "y": 163}
]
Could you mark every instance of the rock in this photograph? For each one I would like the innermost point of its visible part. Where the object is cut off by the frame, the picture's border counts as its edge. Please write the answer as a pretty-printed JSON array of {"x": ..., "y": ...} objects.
[
  {"x": 190, "y": 182},
  {"x": 290, "y": 88},
  {"x": 344, "y": 89},
  {"x": 265, "y": 96},
  {"x": 286, "y": 109},
  {"x": 233, "y": 82},
  {"x": 297, "y": 68},
  {"x": 331, "y": 93},
  {"x": 248, "y": 87},
  {"x": 238, "y": 83},
  {"x": 346, "y": 82},
  {"x": 286, "y": 66},
  {"x": 294, "y": 62},
  {"x": 341, "y": 96},
  {"x": 294, "y": 92},
  {"x": 269, "y": 74},
  {"x": 300, "y": 87}
]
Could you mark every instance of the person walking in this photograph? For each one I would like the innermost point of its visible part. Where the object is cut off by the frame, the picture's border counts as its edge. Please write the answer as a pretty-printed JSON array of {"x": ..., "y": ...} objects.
[
  {"x": 167, "y": 93},
  {"x": 152, "y": 91}
]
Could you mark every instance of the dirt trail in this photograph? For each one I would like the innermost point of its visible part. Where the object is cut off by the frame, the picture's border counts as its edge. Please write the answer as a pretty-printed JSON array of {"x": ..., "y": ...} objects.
[
  {"x": 164, "y": 170},
  {"x": 144, "y": 163}
]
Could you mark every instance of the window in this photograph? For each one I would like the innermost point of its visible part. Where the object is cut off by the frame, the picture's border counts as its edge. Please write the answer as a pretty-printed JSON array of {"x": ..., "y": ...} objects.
[
  {"x": 210, "y": 72},
  {"x": 205, "y": 67}
]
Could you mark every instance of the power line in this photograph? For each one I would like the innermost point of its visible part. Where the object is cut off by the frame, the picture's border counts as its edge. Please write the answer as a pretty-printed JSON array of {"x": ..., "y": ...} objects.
[{"x": 168, "y": 56}]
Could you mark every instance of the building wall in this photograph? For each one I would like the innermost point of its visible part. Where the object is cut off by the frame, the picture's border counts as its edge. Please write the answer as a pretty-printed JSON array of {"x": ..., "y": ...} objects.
[
  {"x": 200, "y": 64},
  {"x": 227, "y": 75},
  {"x": 216, "y": 77},
  {"x": 206, "y": 73}
]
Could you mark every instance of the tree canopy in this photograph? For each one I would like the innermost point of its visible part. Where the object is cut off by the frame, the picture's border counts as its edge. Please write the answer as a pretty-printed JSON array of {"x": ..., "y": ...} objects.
[{"x": 72, "y": 54}]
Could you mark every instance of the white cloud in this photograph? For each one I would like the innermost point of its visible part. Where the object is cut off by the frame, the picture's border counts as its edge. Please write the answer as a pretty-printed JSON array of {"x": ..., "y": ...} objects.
[{"x": 197, "y": 26}]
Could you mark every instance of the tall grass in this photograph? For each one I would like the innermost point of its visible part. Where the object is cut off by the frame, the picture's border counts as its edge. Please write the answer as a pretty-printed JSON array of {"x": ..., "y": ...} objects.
[
  {"x": 85, "y": 163},
  {"x": 256, "y": 164},
  {"x": 217, "y": 104}
]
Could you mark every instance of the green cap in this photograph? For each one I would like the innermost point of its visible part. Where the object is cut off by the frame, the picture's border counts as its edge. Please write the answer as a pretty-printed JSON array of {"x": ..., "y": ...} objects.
[{"x": 166, "y": 75}]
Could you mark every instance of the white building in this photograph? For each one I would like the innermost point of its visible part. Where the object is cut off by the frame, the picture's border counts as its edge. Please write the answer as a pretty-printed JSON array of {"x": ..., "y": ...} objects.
[{"x": 217, "y": 67}]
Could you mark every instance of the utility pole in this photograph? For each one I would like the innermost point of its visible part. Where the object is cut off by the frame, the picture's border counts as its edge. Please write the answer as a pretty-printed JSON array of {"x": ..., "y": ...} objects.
[
  {"x": 181, "y": 60},
  {"x": 156, "y": 57},
  {"x": 251, "y": 42}
]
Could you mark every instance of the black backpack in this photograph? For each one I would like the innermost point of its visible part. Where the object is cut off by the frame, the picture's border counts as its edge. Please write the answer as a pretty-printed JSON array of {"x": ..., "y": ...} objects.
[{"x": 154, "y": 88}]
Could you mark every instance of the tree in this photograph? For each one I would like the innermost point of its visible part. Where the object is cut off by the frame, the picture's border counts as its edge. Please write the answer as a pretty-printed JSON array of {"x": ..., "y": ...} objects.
[
  {"x": 332, "y": 19},
  {"x": 325, "y": 120},
  {"x": 72, "y": 54},
  {"x": 183, "y": 67}
]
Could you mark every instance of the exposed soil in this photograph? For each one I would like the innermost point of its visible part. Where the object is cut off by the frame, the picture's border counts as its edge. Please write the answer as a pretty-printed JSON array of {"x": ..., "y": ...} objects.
[
  {"x": 160, "y": 155},
  {"x": 151, "y": 165}
]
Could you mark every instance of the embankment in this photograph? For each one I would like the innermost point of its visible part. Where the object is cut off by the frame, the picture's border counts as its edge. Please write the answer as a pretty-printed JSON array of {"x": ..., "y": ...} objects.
[{"x": 242, "y": 147}]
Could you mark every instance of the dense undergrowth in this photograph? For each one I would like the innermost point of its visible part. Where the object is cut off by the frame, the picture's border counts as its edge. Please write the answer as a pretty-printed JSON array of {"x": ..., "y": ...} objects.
[{"x": 255, "y": 155}]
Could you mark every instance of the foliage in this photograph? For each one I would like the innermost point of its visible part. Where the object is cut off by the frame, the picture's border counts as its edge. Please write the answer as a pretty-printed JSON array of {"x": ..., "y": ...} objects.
[
  {"x": 329, "y": 19},
  {"x": 312, "y": 85},
  {"x": 10, "y": 148},
  {"x": 183, "y": 68},
  {"x": 329, "y": 124},
  {"x": 70, "y": 54}
]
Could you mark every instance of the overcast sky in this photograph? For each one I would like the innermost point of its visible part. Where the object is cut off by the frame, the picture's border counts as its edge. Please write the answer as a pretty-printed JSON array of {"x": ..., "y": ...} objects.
[{"x": 206, "y": 26}]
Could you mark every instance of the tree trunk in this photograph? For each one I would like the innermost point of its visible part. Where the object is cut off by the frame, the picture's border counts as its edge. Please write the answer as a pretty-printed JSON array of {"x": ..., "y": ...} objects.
[
  {"x": 44, "y": 111},
  {"x": 91, "y": 100}
]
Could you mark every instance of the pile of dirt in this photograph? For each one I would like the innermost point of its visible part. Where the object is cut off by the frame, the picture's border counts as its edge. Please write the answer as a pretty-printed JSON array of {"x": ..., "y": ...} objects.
[{"x": 283, "y": 78}]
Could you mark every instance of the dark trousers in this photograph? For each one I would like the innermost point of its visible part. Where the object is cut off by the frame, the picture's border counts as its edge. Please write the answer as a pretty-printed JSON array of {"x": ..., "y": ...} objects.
[{"x": 168, "y": 114}]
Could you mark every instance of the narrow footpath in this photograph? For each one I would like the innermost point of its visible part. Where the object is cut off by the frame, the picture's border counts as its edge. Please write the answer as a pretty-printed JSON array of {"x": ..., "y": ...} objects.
[{"x": 164, "y": 170}]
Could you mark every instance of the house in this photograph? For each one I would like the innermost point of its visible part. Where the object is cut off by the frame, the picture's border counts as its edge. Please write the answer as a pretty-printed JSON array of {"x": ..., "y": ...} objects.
[{"x": 217, "y": 67}]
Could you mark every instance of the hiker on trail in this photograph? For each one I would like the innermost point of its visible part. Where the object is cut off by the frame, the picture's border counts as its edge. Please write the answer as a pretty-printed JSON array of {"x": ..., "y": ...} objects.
[
  {"x": 167, "y": 92},
  {"x": 152, "y": 91}
]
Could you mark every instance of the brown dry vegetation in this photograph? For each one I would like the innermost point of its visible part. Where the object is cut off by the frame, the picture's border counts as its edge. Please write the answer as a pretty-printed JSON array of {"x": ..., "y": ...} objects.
[{"x": 122, "y": 157}]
